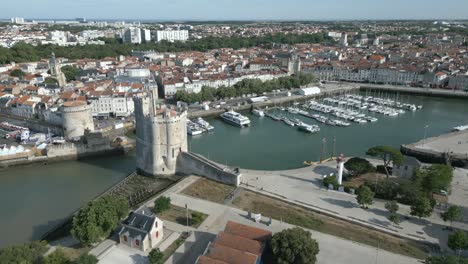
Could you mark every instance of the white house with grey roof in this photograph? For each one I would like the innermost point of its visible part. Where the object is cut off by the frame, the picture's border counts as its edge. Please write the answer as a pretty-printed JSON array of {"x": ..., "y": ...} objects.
[
  {"x": 407, "y": 168},
  {"x": 141, "y": 230}
]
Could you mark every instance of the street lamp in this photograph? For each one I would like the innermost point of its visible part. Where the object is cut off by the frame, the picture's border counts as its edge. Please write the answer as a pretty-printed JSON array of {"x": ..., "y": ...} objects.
[{"x": 425, "y": 134}]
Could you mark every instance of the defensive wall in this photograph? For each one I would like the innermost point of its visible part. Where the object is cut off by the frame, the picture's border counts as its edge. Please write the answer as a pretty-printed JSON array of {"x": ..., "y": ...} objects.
[{"x": 191, "y": 163}]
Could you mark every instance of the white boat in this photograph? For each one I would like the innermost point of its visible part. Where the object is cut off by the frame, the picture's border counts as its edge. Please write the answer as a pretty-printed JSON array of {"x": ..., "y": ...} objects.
[
  {"x": 203, "y": 124},
  {"x": 235, "y": 119},
  {"x": 193, "y": 129},
  {"x": 308, "y": 128},
  {"x": 258, "y": 112},
  {"x": 288, "y": 122},
  {"x": 460, "y": 128}
]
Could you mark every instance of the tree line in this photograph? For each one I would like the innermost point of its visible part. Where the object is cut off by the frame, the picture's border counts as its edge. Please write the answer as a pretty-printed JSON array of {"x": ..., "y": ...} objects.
[
  {"x": 246, "y": 86},
  {"x": 22, "y": 52}
]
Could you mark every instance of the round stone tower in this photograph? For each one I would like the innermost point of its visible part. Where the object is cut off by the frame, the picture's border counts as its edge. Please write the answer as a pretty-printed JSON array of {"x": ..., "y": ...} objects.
[
  {"x": 161, "y": 135},
  {"x": 76, "y": 118}
]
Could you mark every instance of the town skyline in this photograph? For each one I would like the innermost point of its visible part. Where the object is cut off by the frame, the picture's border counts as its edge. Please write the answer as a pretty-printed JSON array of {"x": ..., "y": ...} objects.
[{"x": 258, "y": 10}]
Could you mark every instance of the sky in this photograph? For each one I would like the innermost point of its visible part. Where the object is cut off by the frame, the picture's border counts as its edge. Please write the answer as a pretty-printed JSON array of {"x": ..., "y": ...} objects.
[{"x": 236, "y": 9}]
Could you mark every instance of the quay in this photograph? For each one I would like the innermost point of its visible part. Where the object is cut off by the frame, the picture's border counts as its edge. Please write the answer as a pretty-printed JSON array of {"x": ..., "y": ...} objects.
[
  {"x": 330, "y": 90},
  {"x": 447, "y": 148}
]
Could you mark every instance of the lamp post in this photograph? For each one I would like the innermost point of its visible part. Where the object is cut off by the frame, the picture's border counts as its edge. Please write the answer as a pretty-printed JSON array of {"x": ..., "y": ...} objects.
[{"x": 425, "y": 134}]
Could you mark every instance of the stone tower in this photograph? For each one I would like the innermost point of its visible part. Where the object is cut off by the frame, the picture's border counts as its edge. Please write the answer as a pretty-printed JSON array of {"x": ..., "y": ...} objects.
[
  {"x": 294, "y": 64},
  {"x": 161, "y": 135},
  {"x": 56, "y": 71},
  {"x": 76, "y": 119}
]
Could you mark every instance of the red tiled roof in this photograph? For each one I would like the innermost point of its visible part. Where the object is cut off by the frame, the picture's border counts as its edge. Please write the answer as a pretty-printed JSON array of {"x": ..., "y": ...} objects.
[
  {"x": 230, "y": 255},
  {"x": 247, "y": 231},
  {"x": 207, "y": 260},
  {"x": 240, "y": 243}
]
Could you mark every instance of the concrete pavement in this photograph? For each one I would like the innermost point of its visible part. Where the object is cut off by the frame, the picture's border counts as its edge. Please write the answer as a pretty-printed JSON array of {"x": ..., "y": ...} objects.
[
  {"x": 333, "y": 250},
  {"x": 304, "y": 186}
]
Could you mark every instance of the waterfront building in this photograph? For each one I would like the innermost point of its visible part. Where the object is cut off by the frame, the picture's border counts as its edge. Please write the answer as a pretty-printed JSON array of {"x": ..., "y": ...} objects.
[
  {"x": 172, "y": 35},
  {"x": 141, "y": 230},
  {"x": 77, "y": 119},
  {"x": 161, "y": 135}
]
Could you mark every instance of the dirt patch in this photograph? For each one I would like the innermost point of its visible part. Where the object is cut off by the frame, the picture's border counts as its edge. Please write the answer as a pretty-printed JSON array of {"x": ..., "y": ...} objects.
[
  {"x": 209, "y": 190},
  {"x": 356, "y": 182},
  {"x": 296, "y": 215}
]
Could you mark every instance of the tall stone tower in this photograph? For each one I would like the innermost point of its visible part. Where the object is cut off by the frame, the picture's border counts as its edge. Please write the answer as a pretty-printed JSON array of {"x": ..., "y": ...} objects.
[
  {"x": 294, "y": 64},
  {"x": 56, "y": 71},
  {"x": 161, "y": 134}
]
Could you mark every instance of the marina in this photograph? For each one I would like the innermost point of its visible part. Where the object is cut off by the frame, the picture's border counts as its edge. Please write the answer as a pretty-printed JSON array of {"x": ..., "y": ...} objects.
[{"x": 265, "y": 145}]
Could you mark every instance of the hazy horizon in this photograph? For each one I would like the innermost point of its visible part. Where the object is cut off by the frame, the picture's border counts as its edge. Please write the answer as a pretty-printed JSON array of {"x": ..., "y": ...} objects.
[{"x": 239, "y": 10}]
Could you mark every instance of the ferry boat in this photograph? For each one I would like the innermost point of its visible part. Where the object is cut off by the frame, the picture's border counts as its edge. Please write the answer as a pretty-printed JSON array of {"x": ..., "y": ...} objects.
[
  {"x": 235, "y": 119},
  {"x": 258, "y": 112},
  {"x": 203, "y": 124}
]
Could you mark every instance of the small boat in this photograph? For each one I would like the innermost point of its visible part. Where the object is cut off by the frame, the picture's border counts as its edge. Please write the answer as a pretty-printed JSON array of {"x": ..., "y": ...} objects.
[
  {"x": 288, "y": 122},
  {"x": 258, "y": 112},
  {"x": 203, "y": 124}
]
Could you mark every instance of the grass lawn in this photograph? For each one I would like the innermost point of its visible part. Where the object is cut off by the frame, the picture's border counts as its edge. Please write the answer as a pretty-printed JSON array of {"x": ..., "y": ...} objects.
[
  {"x": 178, "y": 215},
  {"x": 296, "y": 215},
  {"x": 209, "y": 190}
]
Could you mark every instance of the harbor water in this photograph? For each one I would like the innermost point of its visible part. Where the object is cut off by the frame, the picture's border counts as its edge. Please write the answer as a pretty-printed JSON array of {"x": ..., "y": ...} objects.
[{"x": 37, "y": 197}]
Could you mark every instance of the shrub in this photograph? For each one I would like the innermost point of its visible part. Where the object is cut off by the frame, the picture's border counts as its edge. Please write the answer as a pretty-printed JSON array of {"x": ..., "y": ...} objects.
[
  {"x": 162, "y": 204},
  {"x": 331, "y": 180}
]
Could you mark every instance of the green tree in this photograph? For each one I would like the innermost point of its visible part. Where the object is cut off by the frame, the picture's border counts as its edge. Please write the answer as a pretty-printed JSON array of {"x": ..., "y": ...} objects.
[
  {"x": 86, "y": 259},
  {"x": 387, "y": 154},
  {"x": 454, "y": 213},
  {"x": 98, "y": 218},
  {"x": 17, "y": 73},
  {"x": 162, "y": 204},
  {"x": 458, "y": 241},
  {"x": 50, "y": 80},
  {"x": 331, "y": 180},
  {"x": 56, "y": 257},
  {"x": 155, "y": 256},
  {"x": 446, "y": 260},
  {"x": 70, "y": 72},
  {"x": 421, "y": 207},
  {"x": 197, "y": 218},
  {"x": 392, "y": 207},
  {"x": 365, "y": 196},
  {"x": 358, "y": 166},
  {"x": 294, "y": 245},
  {"x": 26, "y": 253},
  {"x": 436, "y": 177}
]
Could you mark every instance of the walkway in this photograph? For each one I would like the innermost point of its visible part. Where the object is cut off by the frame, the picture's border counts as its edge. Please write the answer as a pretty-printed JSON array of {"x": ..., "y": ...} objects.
[{"x": 304, "y": 186}]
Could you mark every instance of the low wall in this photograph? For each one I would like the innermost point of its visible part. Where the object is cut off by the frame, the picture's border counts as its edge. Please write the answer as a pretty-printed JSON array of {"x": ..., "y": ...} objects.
[
  {"x": 79, "y": 150},
  {"x": 191, "y": 163},
  {"x": 430, "y": 156},
  {"x": 419, "y": 91}
]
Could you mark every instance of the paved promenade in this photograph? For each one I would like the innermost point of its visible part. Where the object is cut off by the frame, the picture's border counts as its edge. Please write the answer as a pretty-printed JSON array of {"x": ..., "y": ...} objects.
[
  {"x": 333, "y": 250},
  {"x": 304, "y": 186}
]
